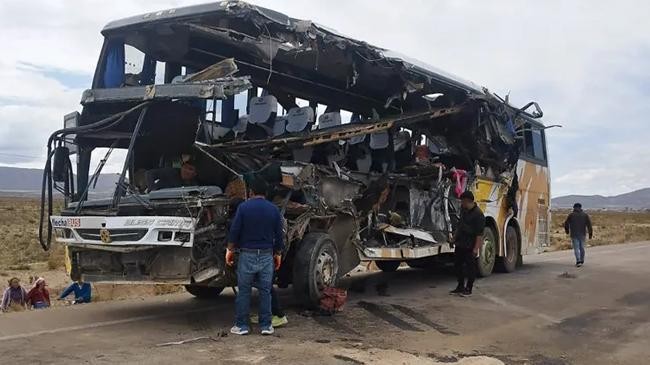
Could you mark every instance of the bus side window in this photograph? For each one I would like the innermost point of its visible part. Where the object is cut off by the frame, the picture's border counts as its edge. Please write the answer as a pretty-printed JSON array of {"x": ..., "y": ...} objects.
[{"x": 534, "y": 143}]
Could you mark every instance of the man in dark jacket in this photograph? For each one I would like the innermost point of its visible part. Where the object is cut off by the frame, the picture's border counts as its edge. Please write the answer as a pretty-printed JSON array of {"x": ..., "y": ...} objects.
[
  {"x": 257, "y": 232},
  {"x": 468, "y": 240},
  {"x": 578, "y": 224}
]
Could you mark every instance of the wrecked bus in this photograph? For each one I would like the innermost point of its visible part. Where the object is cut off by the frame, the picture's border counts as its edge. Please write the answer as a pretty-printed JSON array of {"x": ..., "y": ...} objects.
[{"x": 365, "y": 152}]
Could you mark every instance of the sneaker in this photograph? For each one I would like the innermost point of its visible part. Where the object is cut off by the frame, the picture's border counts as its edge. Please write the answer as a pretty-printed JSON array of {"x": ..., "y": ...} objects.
[
  {"x": 459, "y": 290},
  {"x": 239, "y": 330},
  {"x": 579, "y": 264},
  {"x": 466, "y": 292},
  {"x": 268, "y": 331},
  {"x": 279, "y": 321}
]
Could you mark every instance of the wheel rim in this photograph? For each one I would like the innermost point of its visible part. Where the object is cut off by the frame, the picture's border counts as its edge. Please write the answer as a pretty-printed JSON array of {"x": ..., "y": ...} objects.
[
  {"x": 487, "y": 257},
  {"x": 326, "y": 270}
]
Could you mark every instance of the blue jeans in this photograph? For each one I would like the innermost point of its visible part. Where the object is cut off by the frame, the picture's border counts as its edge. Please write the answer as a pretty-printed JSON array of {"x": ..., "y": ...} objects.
[
  {"x": 579, "y": 248},
  {"x": 40, "y": 305},
  {"x": 258, "y": 268}
]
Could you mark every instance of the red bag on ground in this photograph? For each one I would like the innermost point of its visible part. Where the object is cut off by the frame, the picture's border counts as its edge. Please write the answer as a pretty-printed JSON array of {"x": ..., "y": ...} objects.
[{"x": 333, "y": 300}]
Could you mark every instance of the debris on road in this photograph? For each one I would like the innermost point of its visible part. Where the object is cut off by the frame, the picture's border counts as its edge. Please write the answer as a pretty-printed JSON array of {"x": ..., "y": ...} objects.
[
  {"x": 567, "y": 275},
  {"x": 190, "y": 340}
]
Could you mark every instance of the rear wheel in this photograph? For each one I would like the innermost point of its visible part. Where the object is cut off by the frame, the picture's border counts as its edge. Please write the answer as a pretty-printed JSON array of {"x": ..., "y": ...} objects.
[
  {"x": 388, "y": 266},
  {"x": 508, "y": 263},
  {"x": 315, "y": 267},
  {"x": 488, "y": 253},
  {"x": 204, "y": 292}
]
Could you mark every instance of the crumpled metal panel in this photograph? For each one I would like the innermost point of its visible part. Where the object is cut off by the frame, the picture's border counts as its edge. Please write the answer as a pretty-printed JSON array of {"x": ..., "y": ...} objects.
[{"x": 219, "y": 89}]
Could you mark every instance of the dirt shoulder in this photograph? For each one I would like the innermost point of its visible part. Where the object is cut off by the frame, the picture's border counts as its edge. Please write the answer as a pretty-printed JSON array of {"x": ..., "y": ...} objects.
[{"x": 609, "y": 228}]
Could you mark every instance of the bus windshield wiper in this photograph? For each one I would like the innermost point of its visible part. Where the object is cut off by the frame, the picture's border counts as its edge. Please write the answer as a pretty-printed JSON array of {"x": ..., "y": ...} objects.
[{"x": 93, "y": 179}]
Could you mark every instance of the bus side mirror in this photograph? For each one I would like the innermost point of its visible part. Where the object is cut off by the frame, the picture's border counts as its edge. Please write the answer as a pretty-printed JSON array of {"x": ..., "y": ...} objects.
[{"x": 59, "y": 168}]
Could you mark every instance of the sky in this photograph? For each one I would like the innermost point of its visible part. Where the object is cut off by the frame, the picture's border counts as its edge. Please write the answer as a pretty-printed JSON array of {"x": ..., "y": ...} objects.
[{"x": 585, "y": 62}]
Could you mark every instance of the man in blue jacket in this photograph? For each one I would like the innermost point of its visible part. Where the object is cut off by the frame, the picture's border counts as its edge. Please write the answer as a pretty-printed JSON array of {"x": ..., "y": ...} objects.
[
  {"x": 82, "y": 291},
  {"x": 256, "y": 232}
]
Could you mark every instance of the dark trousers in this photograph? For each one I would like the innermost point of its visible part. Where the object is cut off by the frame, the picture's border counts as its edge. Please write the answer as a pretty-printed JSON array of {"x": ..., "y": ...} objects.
[
  {"x": 465, "y": 265},
  {"x": 276, "y": 310}
]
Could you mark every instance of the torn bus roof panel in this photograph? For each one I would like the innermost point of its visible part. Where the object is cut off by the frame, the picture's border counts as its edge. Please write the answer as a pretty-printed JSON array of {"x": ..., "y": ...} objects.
[
  {"x": 216, "y": 89},
  {"x": 278, "y": 50}
]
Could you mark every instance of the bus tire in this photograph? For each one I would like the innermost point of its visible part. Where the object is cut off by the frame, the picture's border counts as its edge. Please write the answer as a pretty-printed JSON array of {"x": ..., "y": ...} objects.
[
  {"x": 488, "y": 252},
  {"x": 204, "y": 292},
  {"x": 388, "y": 265},
  {"x": 508, "y": 263},
  {"x": 316, "y": 266}
]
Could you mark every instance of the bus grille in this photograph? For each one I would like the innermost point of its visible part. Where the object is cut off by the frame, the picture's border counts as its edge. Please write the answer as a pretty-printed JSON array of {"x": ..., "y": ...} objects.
[{"x": 116, "y": 234}]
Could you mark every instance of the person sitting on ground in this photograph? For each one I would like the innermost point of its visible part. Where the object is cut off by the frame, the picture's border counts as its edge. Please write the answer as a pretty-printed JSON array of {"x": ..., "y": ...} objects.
[
  {"x": 38, "y": 297},
  {"x": 82, "y": 291},
  {"x": 14, "y": 297}
]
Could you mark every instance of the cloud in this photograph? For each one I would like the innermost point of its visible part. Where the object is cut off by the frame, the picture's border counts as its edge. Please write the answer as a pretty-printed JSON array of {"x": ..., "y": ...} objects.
[{"x": 584, "y": 62}]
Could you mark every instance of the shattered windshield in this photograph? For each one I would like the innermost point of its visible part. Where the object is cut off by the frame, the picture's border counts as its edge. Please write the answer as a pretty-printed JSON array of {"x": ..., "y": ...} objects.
[{"x": 126, "y": 65}]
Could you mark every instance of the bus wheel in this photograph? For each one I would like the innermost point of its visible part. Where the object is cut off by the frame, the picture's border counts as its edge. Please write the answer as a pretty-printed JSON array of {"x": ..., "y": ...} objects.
[
  {"x": 204, "y": 292},
  {"x": 388, "y": 266},
  {"x": 315, "y": 267},
  {"x": 508, "y": 263},
  {"x": 488, "y": 253}
]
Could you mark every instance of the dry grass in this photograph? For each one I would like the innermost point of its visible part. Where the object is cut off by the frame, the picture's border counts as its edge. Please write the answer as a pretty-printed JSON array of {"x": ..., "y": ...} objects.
[
  {"x": 19, "y": 239},
  {"x": 23, "y": 257},
  {"x": 609, "y": 228}
]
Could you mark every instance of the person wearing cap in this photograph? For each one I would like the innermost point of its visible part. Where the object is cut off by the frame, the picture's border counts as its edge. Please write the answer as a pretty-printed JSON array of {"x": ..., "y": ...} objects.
[
  {"x": 467, "y": 240},
  {"x": 256, "y": 232},
  {"x": 577, "y": 225}
]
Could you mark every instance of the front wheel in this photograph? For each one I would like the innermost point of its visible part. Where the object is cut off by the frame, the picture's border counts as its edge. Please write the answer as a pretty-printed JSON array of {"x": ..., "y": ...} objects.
[
  {"x": 488, "y": 253},
  {"x": 204, "y": 292},
  {"x": 315, "y": 267}
]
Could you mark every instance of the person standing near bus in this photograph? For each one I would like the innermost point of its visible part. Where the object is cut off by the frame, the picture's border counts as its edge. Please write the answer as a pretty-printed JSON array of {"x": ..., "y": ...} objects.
[
  {"x": 467, "y": 240},
  {"x": 256, "y": 231},
  {"x": 577, "y": 225}
]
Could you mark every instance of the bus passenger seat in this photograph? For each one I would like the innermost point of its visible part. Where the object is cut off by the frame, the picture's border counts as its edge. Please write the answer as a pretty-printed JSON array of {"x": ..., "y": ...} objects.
[
  {"x": 329, "y": 120},
  {"x": 379, "y": 143},
  {"x": 262, "y": 109},
  {"x": 279, "y": 127},
  {"x": 359, "y": 154},
  {"x": 298, "y": 119},
  {"x": 241, "y": 126}
]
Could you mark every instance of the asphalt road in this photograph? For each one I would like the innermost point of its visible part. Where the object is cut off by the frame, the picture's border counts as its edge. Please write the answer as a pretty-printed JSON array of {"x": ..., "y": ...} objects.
[{"x": 548, "y": 312}]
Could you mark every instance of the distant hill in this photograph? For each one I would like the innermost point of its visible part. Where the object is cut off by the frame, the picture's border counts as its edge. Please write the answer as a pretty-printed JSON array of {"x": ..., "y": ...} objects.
[
  {"x": 27, "y": 182},
  {"x": 636, "y": 200}
]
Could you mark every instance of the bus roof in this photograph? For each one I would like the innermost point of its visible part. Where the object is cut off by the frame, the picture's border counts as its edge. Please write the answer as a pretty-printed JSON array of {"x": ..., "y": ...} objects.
[{"x": 264, "y": 41}]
